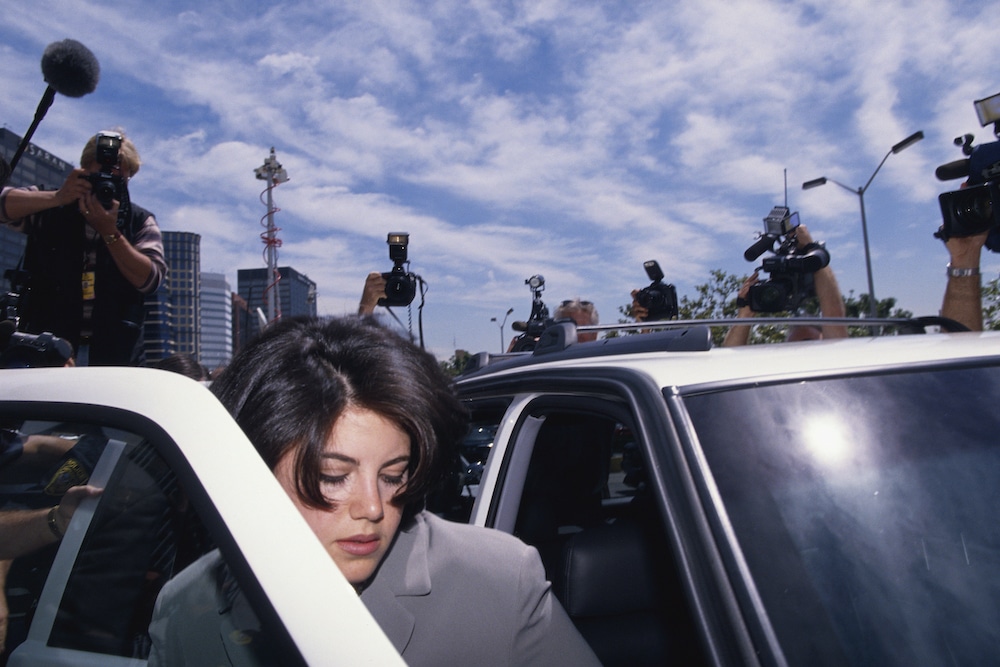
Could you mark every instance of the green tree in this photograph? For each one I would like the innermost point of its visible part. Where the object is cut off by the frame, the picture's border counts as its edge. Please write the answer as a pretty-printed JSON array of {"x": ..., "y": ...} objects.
[
  {"x": 991, "y": 305},
  {"x": 858, "y": 306},
  {"x": 456, "y": 364}
]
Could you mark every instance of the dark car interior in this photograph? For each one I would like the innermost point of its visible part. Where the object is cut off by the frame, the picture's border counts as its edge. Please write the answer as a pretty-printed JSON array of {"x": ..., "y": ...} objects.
[{"x": 586, "y": 508}]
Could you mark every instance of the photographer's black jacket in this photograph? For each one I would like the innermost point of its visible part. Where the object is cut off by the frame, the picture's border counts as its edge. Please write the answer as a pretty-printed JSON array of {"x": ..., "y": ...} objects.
[{"x": 59, "y": 242}]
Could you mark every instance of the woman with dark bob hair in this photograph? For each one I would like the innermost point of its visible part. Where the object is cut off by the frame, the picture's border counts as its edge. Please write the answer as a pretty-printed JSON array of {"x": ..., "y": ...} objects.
[{"x": 355, "y": 422}]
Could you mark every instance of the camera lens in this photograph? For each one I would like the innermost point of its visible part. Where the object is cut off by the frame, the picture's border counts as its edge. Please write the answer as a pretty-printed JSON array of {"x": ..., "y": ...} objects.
[{"x": 770, "y": 297}]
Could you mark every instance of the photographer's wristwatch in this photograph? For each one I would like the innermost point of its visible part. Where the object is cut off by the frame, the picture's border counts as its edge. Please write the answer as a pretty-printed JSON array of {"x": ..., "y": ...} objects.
[
  {"x": 111, "y": 239},
  {"x": 962, "y": 273}
]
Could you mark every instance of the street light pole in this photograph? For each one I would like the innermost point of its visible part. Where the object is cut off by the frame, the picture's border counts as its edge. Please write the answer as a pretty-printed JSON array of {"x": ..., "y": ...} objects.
[
  {"x": 860, "y": 192},
  {"x": 502, "y": 325}
]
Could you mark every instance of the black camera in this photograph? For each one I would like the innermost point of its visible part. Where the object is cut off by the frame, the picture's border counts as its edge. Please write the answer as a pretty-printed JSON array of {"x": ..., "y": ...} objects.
[
  {"x": 10, "y": 301},
  {"x": 659, "y": 299},
  {"x": 537, "y": 322},
  {"x": 971, "y": 209},
  {"x": 107, "y": 185},
  {"x": 791, "y": 268},
  {"x": 24, "y": 350},
  {"x": 400, "y": 284}
]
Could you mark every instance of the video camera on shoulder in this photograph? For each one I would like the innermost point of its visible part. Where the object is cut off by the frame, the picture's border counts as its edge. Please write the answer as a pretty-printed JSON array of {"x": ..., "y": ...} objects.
[
  {"x": 791, "y": 268},
  {"x": 970, "y": 210},
  {"x": 659, "y": 299},
  {"x": 400, "y": 284},
  {"x": 105, "y": 184},
  {"x": 537, "y": 322}
]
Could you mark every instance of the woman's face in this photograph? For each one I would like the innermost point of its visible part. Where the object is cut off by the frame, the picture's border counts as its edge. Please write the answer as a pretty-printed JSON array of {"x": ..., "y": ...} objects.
[{"x": 364, "y": 465}]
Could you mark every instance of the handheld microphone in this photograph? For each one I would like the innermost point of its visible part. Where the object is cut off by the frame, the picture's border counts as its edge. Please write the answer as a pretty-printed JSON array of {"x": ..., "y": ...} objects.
[
  {"x": 953, "y": 170},
  {"x": 764, "y": 243},
  {"x": 69, "y": 68}
]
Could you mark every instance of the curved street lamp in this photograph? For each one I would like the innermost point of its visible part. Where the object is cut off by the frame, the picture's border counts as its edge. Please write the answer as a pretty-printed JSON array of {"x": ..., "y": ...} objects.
[
  {"x": 501, "y": 325},
  {"x": 860, "y": 192}
]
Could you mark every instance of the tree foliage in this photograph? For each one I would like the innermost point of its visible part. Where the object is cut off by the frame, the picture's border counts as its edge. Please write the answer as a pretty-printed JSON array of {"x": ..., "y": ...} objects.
[{"x": 991, "y": 305}]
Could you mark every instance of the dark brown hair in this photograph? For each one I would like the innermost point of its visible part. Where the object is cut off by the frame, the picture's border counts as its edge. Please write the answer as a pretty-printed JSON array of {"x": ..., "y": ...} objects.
[{"x": 289, "y": 386}]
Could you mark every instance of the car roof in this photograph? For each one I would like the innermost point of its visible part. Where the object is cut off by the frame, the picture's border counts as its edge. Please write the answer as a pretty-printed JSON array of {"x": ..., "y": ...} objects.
[{"x": 689, "y": 367}]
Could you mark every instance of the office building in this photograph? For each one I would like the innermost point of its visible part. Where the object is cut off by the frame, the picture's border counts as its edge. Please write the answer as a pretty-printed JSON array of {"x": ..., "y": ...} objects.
[
  {"x": 295, "y": 291},
  {"x": 216, "y": 320},
  {"x": 172, "y": 314}
]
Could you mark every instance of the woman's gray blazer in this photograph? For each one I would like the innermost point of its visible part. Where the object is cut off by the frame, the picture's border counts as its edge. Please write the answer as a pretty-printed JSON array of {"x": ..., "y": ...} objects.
[{"x": 446, "y": 594}]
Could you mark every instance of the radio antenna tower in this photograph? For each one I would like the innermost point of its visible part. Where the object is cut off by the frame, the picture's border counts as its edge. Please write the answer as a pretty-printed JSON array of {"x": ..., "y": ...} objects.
[{"x": 272, "y": 172}]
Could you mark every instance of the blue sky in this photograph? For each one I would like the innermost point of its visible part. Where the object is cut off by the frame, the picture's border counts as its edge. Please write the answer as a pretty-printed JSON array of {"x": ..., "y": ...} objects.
[{"x": 569, "y": 138}]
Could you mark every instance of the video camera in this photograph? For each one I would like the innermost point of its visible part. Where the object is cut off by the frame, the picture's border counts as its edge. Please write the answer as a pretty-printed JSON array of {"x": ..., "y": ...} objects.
[
  {"x": 107, "y": 185},
  {"x": 537, "y": 322},
  {"x": 659, "y": 299},
  {"x": 970, "y": 210},
  {"x": 400, "y": 284},
  {"x": 24, "y": 350},
  {"x": 791, "y": 268}
]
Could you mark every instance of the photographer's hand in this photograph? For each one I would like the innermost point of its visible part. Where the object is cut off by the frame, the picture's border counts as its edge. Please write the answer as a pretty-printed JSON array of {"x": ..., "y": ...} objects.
[
  {"x": 374, "y": 290},
  {"x": 20, "y": 203},
  {"x": 639, "y": 312},
  {"x": 740, "y": 333},
  {"x": 963, "y": 294},
  {"x": 101, "y": 220},
  {"x": 831, "y": 301},
  {"x": 135, "y": 266}
]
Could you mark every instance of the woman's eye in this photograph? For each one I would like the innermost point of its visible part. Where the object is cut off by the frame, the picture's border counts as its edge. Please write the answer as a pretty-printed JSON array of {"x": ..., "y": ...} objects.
[
  {"x": 394, "y": 480},
  {"x": 334, "y": 480}
]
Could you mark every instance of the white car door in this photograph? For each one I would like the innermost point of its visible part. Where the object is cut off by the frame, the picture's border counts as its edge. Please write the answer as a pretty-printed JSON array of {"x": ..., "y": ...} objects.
[{"x": 179, "y": 479}]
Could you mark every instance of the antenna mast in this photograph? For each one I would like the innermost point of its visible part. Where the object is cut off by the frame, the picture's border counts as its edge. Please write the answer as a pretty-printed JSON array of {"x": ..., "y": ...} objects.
[{"x": 272, "y": 172}]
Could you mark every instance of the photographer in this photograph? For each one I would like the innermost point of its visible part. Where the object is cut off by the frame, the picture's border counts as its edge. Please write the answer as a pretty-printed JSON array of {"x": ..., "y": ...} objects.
[
  {"x": 583, "y": 313},
  {"x": 831, "y": 304},
  {"x": 89, "y": 223},
  {"x": 963, "y": 294}
]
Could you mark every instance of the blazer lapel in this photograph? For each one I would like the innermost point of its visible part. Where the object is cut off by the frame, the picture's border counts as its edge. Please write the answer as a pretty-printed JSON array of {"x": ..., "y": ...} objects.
[{"x": 403, "y": 573}]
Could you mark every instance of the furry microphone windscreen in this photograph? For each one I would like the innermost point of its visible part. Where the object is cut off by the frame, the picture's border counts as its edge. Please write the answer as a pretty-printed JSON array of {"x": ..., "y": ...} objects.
[{"x": 70, "y": 68}]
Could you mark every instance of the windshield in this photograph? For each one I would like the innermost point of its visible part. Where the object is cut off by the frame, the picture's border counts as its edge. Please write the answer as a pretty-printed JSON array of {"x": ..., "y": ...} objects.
[{"x": 866, "y": 510}]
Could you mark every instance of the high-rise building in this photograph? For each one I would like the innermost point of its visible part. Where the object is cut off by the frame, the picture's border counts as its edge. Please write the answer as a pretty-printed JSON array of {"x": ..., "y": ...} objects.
[
  {"x": 173, "y": 325},
  {"x": 216, "y": 320},
  {"x": 296, "y": 296},
  {"x": 183, "y": 253},
  {"x": 35, "y": 167}
]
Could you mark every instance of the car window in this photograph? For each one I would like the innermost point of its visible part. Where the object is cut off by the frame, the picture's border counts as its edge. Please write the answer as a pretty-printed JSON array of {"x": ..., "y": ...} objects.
[
  {"x": 88, "y": 598},
  {"x": 94, "y": 590},
  {"x": 586, "y": 504},
  {"x": 179, "y": 478},
  {"x": 456, "y": 495},
  {"x": 865, "y": 509}
]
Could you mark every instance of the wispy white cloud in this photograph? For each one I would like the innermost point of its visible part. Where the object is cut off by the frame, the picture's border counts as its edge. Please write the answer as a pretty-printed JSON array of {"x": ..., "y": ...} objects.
[{"x": 572, "y": 139}]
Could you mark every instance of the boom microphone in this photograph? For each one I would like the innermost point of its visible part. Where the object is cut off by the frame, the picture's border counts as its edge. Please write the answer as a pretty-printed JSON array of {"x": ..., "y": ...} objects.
[
  {"x": 953, "y": 170},
  {"x": 764, "y": 243},
  {"x": 69, "y": 68},
  {"x": 518, "y": 325}
]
